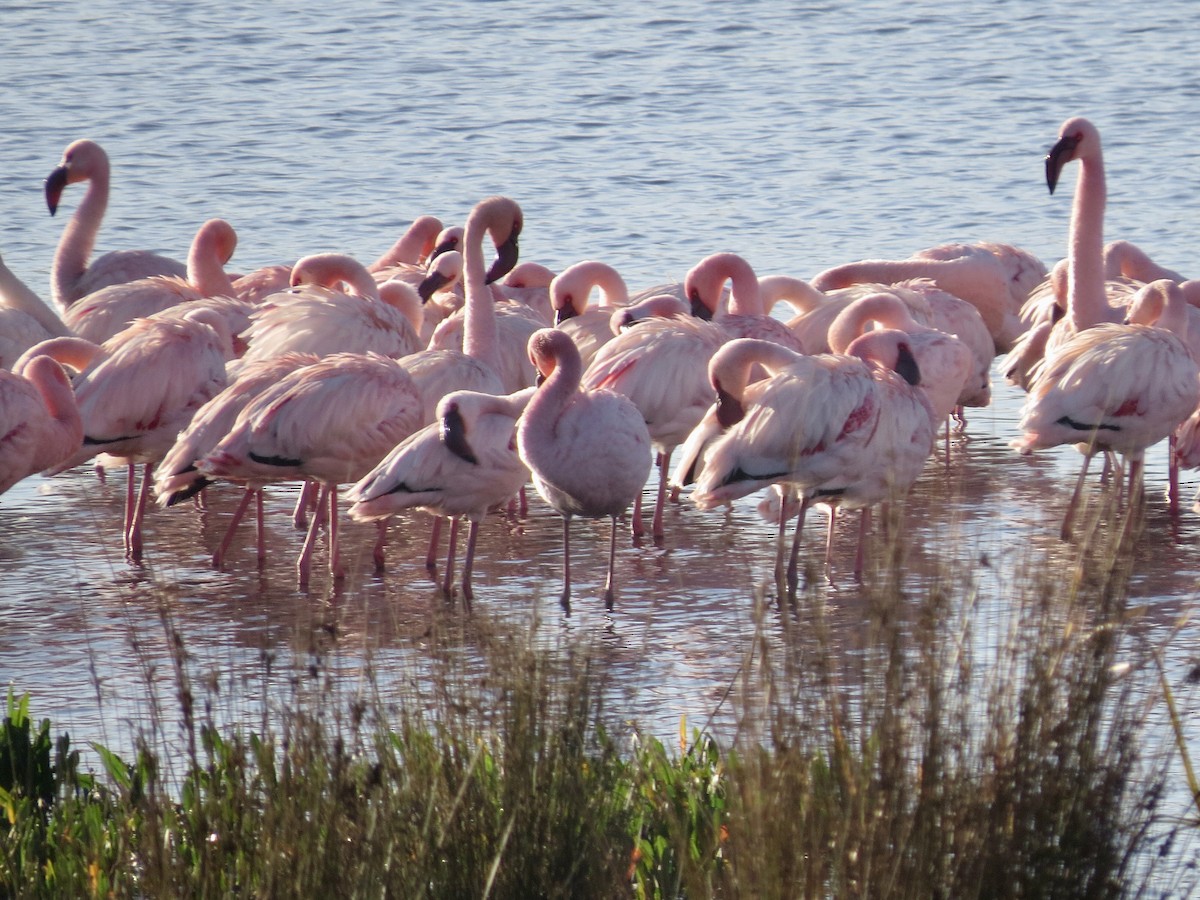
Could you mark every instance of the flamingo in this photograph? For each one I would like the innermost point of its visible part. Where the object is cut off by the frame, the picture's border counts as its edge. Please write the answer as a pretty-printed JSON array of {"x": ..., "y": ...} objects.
[
  {"x": 317, "y": 316},
  {"x": 421, "y": 241},
  {"x": 101, "y": 314},
  {"x": 995, "y": 277},
  {"x": 948, "y": 367},
  {"x": 588, "y": 326},
  {"x": 25, "y": 319},
  {"x": 137, "y": 390},
  {"x": 844, "y": 430},
  {"x": 40, "y": 424},
  {"x": 661, "y": 365},
  {"x": 71, "y": 275},
  {"x": 662, "y": 306},
  {"x": 1113, "y": 387},
  {"x": 462, "y": 464},
  {"x": 329, "y": 422},
  {"x": 177, "y": 477},
  {"x": 747, "y": 315},
  {"x": 588, "y": 451}
]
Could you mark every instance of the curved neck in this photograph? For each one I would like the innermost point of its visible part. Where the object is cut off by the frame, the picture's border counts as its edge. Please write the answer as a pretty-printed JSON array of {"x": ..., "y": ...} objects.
[
  {"x": 744, "y": 296},
  {"x": 1087, "y": 303},
  {"x": 209, "y": 252},
  {"x": 71, "y": 352},
  {"x": 414, "y": 245},
  {"x": 886, "y": 309},
  {"x": 51, "y": 382},
  {"x": 729, "y": 368},
  {"x": 479, "y": 325},
  {"x": 78, "y": 239},
  {"x": 801, "y": 296}
]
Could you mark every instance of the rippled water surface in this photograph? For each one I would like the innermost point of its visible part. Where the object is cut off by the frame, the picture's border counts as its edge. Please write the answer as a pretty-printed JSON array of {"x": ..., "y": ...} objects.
[{"x": 645, "y": 135}]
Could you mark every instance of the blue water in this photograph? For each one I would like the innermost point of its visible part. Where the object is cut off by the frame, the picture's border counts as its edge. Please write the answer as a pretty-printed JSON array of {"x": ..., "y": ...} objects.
[{"x": 646, "y": 135}]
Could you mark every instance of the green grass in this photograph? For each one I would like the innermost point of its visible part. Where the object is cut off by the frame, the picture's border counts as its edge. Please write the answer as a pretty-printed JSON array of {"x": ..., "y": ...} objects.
[{"x": 932, "y": 762}]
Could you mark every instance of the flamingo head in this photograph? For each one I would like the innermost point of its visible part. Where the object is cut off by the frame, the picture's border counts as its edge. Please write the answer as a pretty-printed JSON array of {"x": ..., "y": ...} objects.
[
  {"x": 507, "y": 250},
  {"x": 454, "y": 433},
  {"x": 80, "y": 161},
  {"x": 1075, "y": 133}
]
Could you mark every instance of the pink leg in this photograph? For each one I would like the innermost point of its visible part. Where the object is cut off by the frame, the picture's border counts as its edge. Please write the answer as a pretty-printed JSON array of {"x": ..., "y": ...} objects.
[
  {"x": 1172, "y": 476},
  {"x": 609, "y": 585},
  {"x": 435, "y": 535},
  {"x": 833, "y": 511},
  {"x": 448, "y": 579},
  {"x": 303, "y": 502},
  {"x": 469, "y": 564},
  {"x": 304, "y": 563},
  {"x": 565, "y": 599},
  {"x": 864, "y": 526},
  {"x": 218, "y": 558},
  {"x": 134, "y": 535},
  {"x": 335, "y": 547},
  {"x": 664, "y": 462},
  {"x": 261, "y": 529},
  {"x": 793, "y": 569},
  {"x": 635, "y": 523},
  {"x": 130, "y": 478}
]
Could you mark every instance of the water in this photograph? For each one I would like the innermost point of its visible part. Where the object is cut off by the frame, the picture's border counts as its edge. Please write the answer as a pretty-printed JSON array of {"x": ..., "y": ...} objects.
[{"x": 799, "y": 135}]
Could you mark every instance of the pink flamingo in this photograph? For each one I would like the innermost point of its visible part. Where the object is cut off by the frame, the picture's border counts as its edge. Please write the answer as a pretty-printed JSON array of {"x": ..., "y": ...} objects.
[
  {"x": 101, "y": 314},
  {"x": 25, "y": 319},
  {"x": 661, "y": 365},
  {"x": 748, "y": 314},
  {"x": 847, "y": 431},
  {"x": 947, "y": 364},
  {"x": 462, "y": 464},
  {"x": 71, "y": 276},
  {"x": 329, "y": 422},
  {"x": 662, "y": 306},
  {"x": 39, "y": 420},
  {"x": 1114, "y": 387},
  {"x": 137, "y": 390},
  {"x": 178, "y": 478},
  {"x": 419, "y": 243},
  {"x": 588, "y": 325},
  {"x": 996, "y": 278},
  {"x": 588, "y": 450},
  {"x": 318, "y": 316}
]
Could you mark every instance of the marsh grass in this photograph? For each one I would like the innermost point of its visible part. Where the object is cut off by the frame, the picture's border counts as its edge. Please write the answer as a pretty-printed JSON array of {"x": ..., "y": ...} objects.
[{"x": 936, "y": 759}]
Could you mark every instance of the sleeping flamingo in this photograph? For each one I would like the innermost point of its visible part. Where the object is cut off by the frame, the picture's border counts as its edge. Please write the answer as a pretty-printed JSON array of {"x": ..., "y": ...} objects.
[
  {"x": 101, "y": 314},
  {"x": 588, "y": 450},
  {"x": 1113, "y": 387},
  {"x": 71, "y": 275},
  {"x": 588, "y": 325},
  {"x": 747, "y": 315},
  {"x": 25, "y": 319},
  {"x": 39, "y": 420},
  {"x": 462, "y": 464},
  {"x": 329, "y": 422},
  {"x": 177, "y": 477}
]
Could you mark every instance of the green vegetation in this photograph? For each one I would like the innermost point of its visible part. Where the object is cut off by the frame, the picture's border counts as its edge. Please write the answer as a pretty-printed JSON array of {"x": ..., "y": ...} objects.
[{"x": 928, "y": 762}]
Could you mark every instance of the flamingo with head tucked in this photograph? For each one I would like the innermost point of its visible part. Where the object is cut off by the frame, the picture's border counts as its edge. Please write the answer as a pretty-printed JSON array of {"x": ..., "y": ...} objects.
[
  {"x": 588, "y": 325},
  {"x": 72, "y": 275},
  {"x": 588, "y": 450},
  {"x": 39, "y": 420}
]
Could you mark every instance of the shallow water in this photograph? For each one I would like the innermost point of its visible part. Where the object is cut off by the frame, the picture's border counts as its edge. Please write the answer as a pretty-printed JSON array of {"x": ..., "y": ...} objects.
[{"x": 801, "y": 136}]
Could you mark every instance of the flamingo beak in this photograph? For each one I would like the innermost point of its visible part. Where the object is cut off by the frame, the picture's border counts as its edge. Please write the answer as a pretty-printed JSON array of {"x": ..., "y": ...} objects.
[
  {"x": 431, "y": 284},
  {"x": 566, "y": 312},
  {"x": 699, "y": 310},
  {"x": 730, "y": 410},
  {"x": 1060, "y": 154},
  {"x": 506, "y": 257},
  {"x": 906, "y": 365},
  {"x": 55, "y": 182},
  {"x": 454, "y": 435},
  {"x": 445, "y": 246}
]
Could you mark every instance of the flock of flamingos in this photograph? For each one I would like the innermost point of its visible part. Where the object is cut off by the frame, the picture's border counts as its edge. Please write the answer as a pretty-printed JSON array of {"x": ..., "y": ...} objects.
[{"x": 430, "y": 380}]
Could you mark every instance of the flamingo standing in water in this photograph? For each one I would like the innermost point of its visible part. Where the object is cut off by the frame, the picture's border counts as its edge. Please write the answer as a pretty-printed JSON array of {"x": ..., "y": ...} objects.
[
  {"x": 101, "y": 314},
  {"x": 747, "y": 315},
  {"x": 71, "y": 275},
  {"x": 847, "y": 431},
  {"x": 462, "y": 464},
  {"x": 1114, "y": 387},
  {"x": 39, "y": 420},
  {"x": 588, "y": 450},
  {"x": 178, "y": 477},
  {"x": 137, "y": 390},
  {"x": 329, "y": 422}
]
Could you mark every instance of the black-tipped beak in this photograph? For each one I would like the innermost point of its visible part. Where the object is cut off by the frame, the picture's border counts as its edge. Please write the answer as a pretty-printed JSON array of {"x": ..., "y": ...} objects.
[
  {"x": 539, "y": 378},
  {"x": 729, "y": 408},
  {"x": 906, "y": 365},
  {"x": 454, "y": 435},
  {"x": 431, "y": 284},
  {"x": 506, "y": 258},
  {"x": 55, "y": 182},
  {"x": 566, "y": 312},
  {"x": 699, "y": 310},
  {"x": 1060, "y": 154},
  {"x": 444, "y": 247}
]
